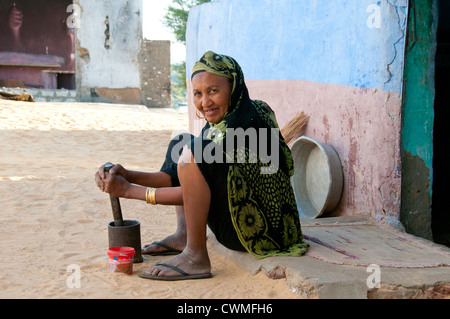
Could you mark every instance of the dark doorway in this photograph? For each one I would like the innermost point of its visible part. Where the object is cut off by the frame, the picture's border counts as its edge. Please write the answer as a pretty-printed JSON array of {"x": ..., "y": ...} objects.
[
  {"x": 37, "y": 44},
  {"x": 441, "y": 173}
]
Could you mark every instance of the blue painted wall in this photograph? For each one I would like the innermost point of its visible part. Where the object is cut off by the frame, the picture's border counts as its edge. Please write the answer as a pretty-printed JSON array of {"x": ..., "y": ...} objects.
[
  {"x": 351, "y": 42},
  {"x": 340, "y": 61}
]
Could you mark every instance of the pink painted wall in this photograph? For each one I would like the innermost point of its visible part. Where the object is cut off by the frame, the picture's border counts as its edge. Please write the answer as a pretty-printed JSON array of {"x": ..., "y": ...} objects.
[
  {"x": 341, "y": 62},
  {"x": 363, "y": 125}
]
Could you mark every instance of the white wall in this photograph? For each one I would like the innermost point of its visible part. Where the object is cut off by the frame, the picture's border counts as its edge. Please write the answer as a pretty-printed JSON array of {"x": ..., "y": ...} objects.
[{"x": 116, "y": 67}]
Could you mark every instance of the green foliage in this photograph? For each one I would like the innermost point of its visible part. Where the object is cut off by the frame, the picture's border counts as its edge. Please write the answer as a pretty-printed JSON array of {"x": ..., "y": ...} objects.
[
  {"x": 176, "y": 20},
  {"x": 177, "y": 15},
  {"x": 178, "y": 77}
]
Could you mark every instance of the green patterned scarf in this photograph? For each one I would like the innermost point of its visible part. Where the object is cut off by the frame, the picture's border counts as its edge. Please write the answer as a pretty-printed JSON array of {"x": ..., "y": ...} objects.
[{"x": 262, "y": 205}]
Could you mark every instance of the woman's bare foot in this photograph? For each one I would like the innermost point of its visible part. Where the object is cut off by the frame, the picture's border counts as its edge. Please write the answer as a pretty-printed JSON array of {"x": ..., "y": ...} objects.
[{"x": 188, "y": 262}]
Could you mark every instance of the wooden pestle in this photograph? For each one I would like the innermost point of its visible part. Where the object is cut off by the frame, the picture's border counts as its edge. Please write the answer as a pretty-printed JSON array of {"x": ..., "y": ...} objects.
[{"x": 115, "y": 204}]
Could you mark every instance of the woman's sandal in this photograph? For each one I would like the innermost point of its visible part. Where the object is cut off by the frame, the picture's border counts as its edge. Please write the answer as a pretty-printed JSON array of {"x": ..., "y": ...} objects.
[
  {"x": 169, "y": 250},
  {"x": 182, "y": 276}
]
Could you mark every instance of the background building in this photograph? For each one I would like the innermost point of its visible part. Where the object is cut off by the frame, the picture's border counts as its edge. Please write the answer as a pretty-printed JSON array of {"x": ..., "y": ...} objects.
[
  {"x": 82, "y": 51},
  {"x": 364, "y": 71}
]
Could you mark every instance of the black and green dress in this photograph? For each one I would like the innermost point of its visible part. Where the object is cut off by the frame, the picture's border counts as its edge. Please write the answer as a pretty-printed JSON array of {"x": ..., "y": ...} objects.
[{"x": 253, "y": 206}]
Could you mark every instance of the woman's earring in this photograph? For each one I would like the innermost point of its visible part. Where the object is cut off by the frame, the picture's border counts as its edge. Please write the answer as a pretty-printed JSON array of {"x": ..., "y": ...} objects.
[{"x": 196, "y": 113}]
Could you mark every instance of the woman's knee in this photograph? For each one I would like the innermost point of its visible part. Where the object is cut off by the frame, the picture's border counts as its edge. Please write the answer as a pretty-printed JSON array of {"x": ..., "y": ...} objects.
[
  {"x": 185, "y": 159},
  {"x": 189, "y": 174},
  {"x": 176, "y": 146}
]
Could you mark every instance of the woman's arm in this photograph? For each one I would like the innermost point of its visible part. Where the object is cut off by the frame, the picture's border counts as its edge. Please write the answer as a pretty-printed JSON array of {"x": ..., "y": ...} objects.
[
  {"x": 163, "y": 195},
  {"x": 152, "y": 179},
  {"x": 123, "y": 183}
]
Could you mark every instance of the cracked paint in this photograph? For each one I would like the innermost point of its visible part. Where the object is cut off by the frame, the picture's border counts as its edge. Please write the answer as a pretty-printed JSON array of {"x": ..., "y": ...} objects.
[{"x": 325, "y": 60}]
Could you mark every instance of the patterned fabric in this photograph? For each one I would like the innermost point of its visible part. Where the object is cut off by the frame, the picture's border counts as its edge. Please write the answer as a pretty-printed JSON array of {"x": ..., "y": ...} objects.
[{"x": 260, "y": 196}]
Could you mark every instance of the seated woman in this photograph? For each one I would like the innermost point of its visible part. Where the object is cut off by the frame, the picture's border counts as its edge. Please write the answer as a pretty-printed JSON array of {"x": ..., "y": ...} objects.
[{"x": 247, "y": 202}]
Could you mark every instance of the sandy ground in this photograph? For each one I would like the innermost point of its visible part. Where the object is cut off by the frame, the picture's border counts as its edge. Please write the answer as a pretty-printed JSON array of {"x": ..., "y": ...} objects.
[{"x": 53, "y": 221}]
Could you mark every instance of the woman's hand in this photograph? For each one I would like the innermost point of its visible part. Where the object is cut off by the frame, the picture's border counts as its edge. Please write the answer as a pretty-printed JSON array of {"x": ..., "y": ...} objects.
[
  {"x": 116, "y": 169},
  {"x": 113, "y": 182},
  {"x": 116, "y": 185}
]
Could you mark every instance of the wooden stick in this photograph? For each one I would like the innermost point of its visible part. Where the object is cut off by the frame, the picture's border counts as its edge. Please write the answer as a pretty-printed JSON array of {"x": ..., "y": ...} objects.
[{"x": 115, "y": 205}]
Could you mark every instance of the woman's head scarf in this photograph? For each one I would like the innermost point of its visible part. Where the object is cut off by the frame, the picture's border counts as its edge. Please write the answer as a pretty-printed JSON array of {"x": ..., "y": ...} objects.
[
  {"x": 242, "y": 112},
  {"x": 262, "y": 205},
  {"x": 224, "y": 66}
]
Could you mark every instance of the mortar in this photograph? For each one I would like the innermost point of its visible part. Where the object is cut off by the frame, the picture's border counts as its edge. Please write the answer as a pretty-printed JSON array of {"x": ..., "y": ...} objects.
[
  {"x": 123, "y": 233},
  {"x": 127, "y": 235}
]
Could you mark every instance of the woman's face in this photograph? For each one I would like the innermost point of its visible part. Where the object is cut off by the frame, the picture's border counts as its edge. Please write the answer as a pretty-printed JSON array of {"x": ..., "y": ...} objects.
[{"x": 211, "y": 95}]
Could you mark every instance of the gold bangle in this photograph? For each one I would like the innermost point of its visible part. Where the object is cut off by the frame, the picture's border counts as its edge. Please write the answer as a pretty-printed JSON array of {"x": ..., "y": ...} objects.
[{"x": 150, "y": 195}]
